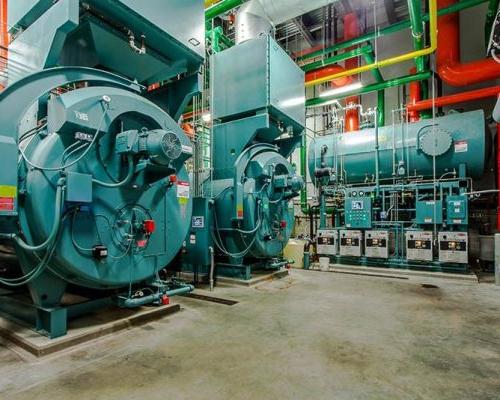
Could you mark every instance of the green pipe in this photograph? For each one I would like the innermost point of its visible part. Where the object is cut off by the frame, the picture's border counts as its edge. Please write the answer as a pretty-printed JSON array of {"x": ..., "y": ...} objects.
[
  {"x": 490, "y": 19},
  {"x": 381, "y": 108},
  {"x": 221, "y": 8},
  {"x": 370, "y": 59},
  {"x": 462, "y": 5},
  {"x": 318, "y": 101},
  {"x": 359, "y": 51},
  {"x": 303, "y": 172},
  {"x": 417, "y": 30}
]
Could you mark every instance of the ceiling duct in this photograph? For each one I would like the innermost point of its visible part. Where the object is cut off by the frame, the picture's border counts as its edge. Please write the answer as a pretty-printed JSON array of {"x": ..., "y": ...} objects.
[{"x": 259, "y": 17}]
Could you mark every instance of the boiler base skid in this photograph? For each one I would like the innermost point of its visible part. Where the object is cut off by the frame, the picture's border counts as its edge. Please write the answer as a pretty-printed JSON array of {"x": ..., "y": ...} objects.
[{"x": 53, "y": 321}]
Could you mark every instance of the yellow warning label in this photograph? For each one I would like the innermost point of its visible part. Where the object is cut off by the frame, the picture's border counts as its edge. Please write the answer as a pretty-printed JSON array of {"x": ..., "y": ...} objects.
[
  {"x": 183, "y": 200},
  {"x": 8, "y": 191}
]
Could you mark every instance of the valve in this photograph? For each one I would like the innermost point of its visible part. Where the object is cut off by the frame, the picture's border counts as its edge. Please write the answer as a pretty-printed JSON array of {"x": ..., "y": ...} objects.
[
  {"x": 172, "y": 179},
  {"x": 149, "y": 226}
]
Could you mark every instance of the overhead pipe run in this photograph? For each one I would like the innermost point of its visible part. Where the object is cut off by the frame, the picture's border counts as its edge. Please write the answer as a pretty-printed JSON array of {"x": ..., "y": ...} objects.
[
  {"x": 449, "y": 67},
  {"x": 454, "y": 99},
  {"x": 462, "y": 5},
  {"x": 393, "y": 60},
  {"x": 322, "y": 101}
]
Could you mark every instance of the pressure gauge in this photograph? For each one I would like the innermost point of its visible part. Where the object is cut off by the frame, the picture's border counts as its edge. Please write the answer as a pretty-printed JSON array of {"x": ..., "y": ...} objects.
[
  {"x": 354, "y": 194},
  {"x": 361, "y": 193}
]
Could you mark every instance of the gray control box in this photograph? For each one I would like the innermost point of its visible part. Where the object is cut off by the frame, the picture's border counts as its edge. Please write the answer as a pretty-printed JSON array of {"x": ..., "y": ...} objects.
[
  {"x": 327, "y": 242},
  {"x": 377, "y": 244},
  {"x": 419, "y": 246},
  {"x": 351, "y": 243},
  {"x": 453, "y": 247}
]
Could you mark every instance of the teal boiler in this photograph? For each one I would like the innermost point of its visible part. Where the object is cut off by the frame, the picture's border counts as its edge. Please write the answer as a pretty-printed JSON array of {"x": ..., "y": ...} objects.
[{"x": 457, "y": 142}]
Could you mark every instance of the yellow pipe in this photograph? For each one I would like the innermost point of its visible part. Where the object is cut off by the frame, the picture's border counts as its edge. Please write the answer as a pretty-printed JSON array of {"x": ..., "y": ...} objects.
[
  {"x": 433, "y": 17},
  {"x": 209, "y": 3}
]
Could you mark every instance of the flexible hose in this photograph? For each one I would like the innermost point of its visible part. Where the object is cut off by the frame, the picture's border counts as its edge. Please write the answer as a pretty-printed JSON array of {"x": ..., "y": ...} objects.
[
  {"x": 62, "y": 167},
  {"x": 55, "y": 227},
  {"x": 130, "y": 174}
]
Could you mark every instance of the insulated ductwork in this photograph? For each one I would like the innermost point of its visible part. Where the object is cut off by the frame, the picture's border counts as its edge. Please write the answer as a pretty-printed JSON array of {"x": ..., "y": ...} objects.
[{"x": 258, "y": 17}]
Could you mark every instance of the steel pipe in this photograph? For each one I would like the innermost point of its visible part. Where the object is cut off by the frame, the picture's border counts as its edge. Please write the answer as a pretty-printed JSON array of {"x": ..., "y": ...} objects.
[
  {"x": 449, "y": 67},
  {"x": 393, "y": 60},
  {"x": 320, "y": 101},
  {"x": 454, "y": 99},
  {"x": 462, "y": 5}
]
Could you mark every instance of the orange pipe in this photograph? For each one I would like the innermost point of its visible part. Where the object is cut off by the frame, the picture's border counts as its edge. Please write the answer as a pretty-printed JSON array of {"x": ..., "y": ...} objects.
[
  {"x": 414, "y": 98},
  {"x": 4, "y": 36},
  {"x": 454, "y": 99},
  {"x": 351, "y": 31},
  {"x": 449, "y": 67},
  {"x": 326, "y": 71}
]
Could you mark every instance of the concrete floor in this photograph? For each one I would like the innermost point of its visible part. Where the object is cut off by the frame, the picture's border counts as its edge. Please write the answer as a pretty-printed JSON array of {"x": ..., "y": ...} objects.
[{"x": 312, "y": 335}]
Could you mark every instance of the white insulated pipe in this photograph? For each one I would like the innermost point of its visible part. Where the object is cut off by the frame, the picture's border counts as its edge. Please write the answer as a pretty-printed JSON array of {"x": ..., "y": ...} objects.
[{"x": 256, "y": 18}]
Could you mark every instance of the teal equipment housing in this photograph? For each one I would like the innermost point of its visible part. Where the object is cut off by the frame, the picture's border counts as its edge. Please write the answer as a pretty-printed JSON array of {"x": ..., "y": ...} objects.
[
  {"x": 95, "y": 195},
  {"x": 456, "y": 140},
  {"x": 408, "y": 184},
  {"x": 259, "y": 112}
]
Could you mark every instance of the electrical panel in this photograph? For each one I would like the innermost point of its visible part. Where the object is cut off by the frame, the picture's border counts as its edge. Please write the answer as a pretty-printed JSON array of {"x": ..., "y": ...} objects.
[
  {"x": 351, "y": 243},
  {"x": 456, "y": 210},
  {"x": 78, "y": 187},
  {"x": 429, "y": 212},
  {"x": 358, "y": 211},
  {"x": 199, "y": 237},
  {"x": 377, "y": 244},
  {"x": 453, "y": 247},
  {"x": 419, "y": 245},
  {"x": 326, "y": 242}
]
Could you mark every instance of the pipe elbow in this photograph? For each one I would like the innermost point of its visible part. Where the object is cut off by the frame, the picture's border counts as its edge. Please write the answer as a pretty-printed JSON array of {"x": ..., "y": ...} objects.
[{"x": 459, "y": 75}]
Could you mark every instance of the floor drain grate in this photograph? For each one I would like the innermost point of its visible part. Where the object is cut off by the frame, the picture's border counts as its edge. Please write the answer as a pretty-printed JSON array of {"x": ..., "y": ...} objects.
[
  {"x": 429, "y": 286},
  {"x": 211, "y": 299}
]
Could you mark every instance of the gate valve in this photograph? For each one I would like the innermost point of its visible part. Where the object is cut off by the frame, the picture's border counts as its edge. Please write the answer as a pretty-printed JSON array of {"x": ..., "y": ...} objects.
[
  {"x": 149, "y": 226},
  {"x": 283, "y": 224}
]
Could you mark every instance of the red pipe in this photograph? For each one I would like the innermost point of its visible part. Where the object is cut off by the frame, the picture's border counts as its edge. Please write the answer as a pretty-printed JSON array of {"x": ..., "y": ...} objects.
[
  {"x": 351, "y": 31},
  {"x": 498, "y": 176},
  {"x": 449, "y": 67},
  {"x": 454, "y": 99},
  {"x": 415, "y": 97},
  {"x": 326, "y": 71}
]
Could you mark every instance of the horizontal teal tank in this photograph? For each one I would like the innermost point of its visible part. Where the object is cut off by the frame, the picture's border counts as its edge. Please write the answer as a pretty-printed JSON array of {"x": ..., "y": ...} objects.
[{"x": 454, "y": 140}]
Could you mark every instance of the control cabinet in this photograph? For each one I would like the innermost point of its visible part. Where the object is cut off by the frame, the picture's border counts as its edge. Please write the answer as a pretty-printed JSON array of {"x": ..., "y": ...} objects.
[
  {"x": 456, "y": 210},
  {"x": 351, "y": 243},
  {"x": 429, "y": 212},
  {"x": 453, "y": 247},
  {"x": 377, "y": 244},
  {"x": 419, "y": 246},
  {"x": 358, "y": 211},
  {"x": 326, "y": 242}
]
